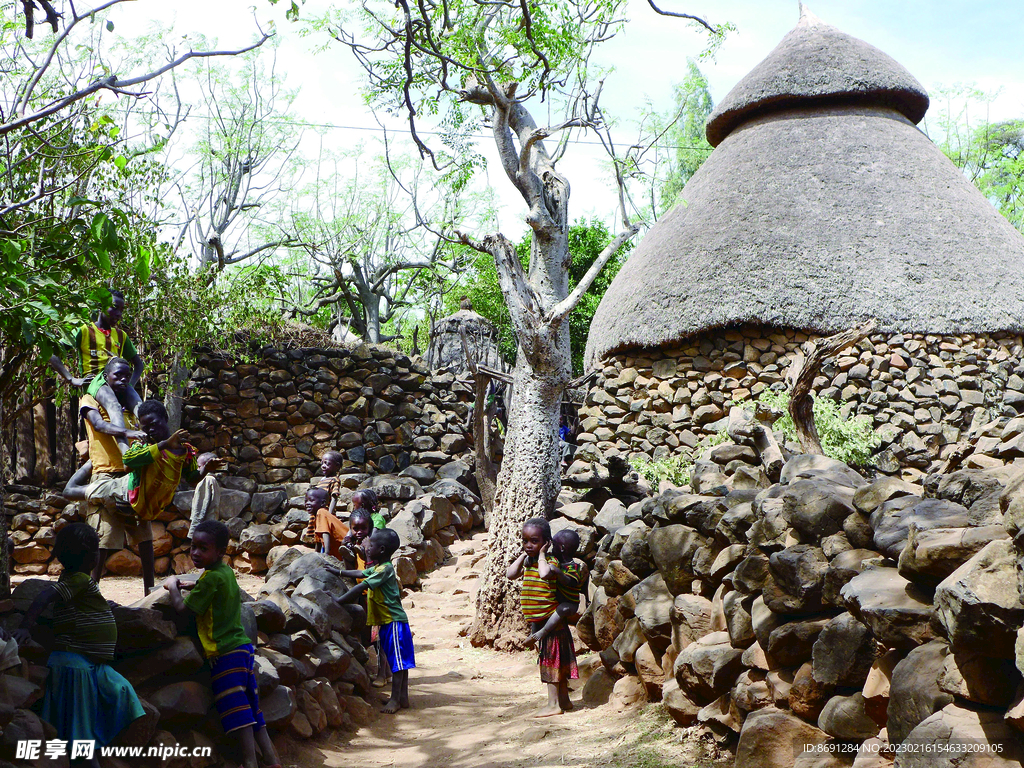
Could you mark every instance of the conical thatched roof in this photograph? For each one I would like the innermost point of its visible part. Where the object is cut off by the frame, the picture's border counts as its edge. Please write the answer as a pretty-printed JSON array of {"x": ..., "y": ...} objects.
[
  {"x": 818, "y": 216},
  {"x": 818, "y": 63}
]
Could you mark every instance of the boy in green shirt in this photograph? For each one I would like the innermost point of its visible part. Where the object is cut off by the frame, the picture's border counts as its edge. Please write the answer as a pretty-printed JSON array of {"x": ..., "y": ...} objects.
[
  {"x": 215, "y": 601},
  {"x": 384, "y": 610}
]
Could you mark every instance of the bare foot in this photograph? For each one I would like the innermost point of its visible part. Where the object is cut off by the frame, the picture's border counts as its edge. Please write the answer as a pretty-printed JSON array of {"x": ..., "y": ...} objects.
[
  {"x": 566, "y": 705},
  {"x": 534, "y": 639},
  {"x": 547, "y": 711},
  {"x": 393, "y": 706}
]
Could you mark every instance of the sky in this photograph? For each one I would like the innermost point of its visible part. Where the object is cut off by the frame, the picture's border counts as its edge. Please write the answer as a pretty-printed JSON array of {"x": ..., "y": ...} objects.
[{"x": 941, "y": 42}]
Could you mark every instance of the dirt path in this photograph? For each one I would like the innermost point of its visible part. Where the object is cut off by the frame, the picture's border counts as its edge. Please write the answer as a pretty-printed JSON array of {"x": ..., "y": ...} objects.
[{"x": 471, "y": 708}]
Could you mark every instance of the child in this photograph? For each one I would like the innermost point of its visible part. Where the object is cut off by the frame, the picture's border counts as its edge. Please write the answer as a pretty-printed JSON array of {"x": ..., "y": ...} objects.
[
  {"x": 569, "y": 576},
  {"x": 96, "y": 343},
  {"x": 354, "y": 547},
  {"x": 156, "y": 469},
  {"x": 215, "y": 601},
  {"x": 85, "y": 698},
  {"x": 330, "y": 531},
  {"x": 367, "y": 499},
  {"x": 539, "y": 600},
  {"x": 330, "y": 463},
  {"x": 384, "y": 610},
  {"x": 206, "y": 499}
]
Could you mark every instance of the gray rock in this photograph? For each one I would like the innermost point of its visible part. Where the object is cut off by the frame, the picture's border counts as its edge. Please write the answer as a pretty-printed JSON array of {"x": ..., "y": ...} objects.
[
  {"x": 611, "y": 517},
  {"x": 898, "y": 613},
  {"x": 141, "y": 628},
  {"x": 797, "y": 578},
  {"x": 579, "y": 512},
  {"x": 891, "y": 521},
  {"x": 652, "y": 606},
  {"x": 458, "y": 471},
  {"x": 707, "y": 668},
  {"x": 407, "y": 527},
  {"x": 914, "y": 692},
  {"x": 842, "y": 569},
  {"x": 751, "y": 574},
  {"x": 868, "y": 498},
  {"x": 393, "y": 487},
  {"x": 182, "y": 703},
  {"x": 268, "y": 503},
  {"x": 792, "y": 643},
  {"x": 979, "y": 604},
  {"x": 588, "y": 535},
  {"x": 270, "y": 619},
  {"x": 232, "y": 503},
  {"x": 952, "y": 737},
  {"x": 256, "y": 539},
  {"x": 807, "y": 465},
  {"x": 980, "y": 679},
  {"x": 422, "y": 475},
  {"x": 736, "y": 606},
  {"x": 636, "y": 554},
  {"x": 816, "y": 507},
  {"x": 844, "y": 718},
  {"x": 932, "y": 555},
  {"x": 279, "y": 707},
  {"x": 672, "y": 548},
  {"x": 844, "y": 652}
]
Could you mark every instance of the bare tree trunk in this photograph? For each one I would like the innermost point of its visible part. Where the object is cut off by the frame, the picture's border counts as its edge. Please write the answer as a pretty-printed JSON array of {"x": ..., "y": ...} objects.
[
  {"x": 528, "y": 485},
  {"x": 801, "y": 377},
  {"x": 174, "y": 397}
]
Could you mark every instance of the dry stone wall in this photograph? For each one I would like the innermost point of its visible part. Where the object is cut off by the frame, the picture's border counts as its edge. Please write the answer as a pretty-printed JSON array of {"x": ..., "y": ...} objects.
[
  {"x": 922, "y": 392},
  {"x": 787, "y": 600}
]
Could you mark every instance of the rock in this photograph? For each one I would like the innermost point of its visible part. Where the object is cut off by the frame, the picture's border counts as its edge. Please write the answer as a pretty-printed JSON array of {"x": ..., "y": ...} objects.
[
  {"x": 773, "y": 738},
  {"x": 868, "y": 498},
  {"x": 981, "y": 679},
  {"x": 618, "y": 579},
  {"x": 269, "y": 617},
  {"x": 327, "y": 699},
  {"x": 844, "y": 718},
  {"x": 979, "y": 604},
  {"x": 279, "y": 707},
  {"x": 626, "y": 692},
  {"x": 296, "y": 618},
  {"x": 124, "y": 562},
  {"x": 611, "y": 517},
  {"x": 736, "y": 606},
  {"x": 954, "y": 737},
  {"x": 608, "y": 622},
  {"x": 914, "y": 692},
  {"x": 763, "y": 620},
  {"x": 181, "y": 658},
  {"x": 23, "y": 726},
  {"x": 331, "y": 660},
  {"x": 692, "y": 619},
  {"x": 798, "y": 574},
  {"x": 579, "y": 511},
  {"x": 652, "y": 603},
  {"x": 232, "y": 503},
  {"x": 141, "y": 730},
  {"x": 679, "y": 707},
  {"x": 321, "y": 621},
  {"x": 751, "y": 574},
  {"x": 256, "y": 539},
  {"x": 598, "y": 688},
  {"x": 395, "y": 488},
  {"x": 1011, "y": 504},
  {"x": 650, "y": 672},
  {"x": 841, "y": 570},
  {"x": 672, "y": 549},
  {"x": 588, "y": 537},
  {"x": 751, "y": 691},
  {"x": 141, "y": 628},
  {"x": 932, "y": 555},
  {"x": 809, "y": 465},
  {"x": 817, "y": 508},
  {"x": 807, "y": 697},
  {"x": 792, "y": 643},
  {"x": 18, "y": 693},
  {"x": 182, "y": 702},
  {"x": 898, "y": 613},
  {"x": 707, "y": 668},
  {"x": 407, "y": 527},
  {"x": 267, "y": 678},
  {"x": 636, "y": 554},
  {"x": 891, "y": 521},
  {"x": 877, "y": 685},
  {"x": 843, "y": 653}
]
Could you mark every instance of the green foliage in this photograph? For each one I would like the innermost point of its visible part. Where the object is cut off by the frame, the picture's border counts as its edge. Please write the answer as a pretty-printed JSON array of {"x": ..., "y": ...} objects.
[
  {"x": 586, "y": 241},
  {"x": 990, "y": 154},
  {"x": 848, "y": 440},
  {"x": 676, "y": 469},
  {"x": 685, "y": 140}
]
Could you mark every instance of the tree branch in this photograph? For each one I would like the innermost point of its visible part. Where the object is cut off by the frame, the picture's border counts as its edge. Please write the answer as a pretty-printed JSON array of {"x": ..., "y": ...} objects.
[{"x": 691, "y": 17}]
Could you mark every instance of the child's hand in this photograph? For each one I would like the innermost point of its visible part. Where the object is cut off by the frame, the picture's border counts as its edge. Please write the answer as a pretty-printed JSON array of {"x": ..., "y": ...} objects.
[
  {"x": 545, "y": 548},
  {"x": 135, "y": 434},
  {"x": 332, "y": 570},
  {"x": 175, "y": 440},
  {"x": 22, "y": 635}
]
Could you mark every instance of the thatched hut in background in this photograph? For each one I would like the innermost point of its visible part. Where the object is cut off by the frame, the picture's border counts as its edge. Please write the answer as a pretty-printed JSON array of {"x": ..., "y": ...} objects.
[
  {"x": 821, "y": 206},
  {"x": 446, "y": 347}
]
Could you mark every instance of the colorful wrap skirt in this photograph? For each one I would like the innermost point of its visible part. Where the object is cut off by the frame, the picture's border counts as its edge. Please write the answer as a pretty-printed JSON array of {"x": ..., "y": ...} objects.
[
  {"x": 235, "y": 690},
  {"x": 87, "y": 700},
  {"x": 557, "y": 655}
]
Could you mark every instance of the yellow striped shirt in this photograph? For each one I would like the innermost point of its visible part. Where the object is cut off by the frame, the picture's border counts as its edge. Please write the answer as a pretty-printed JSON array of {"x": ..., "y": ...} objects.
[{"x": 539, "y": 598}]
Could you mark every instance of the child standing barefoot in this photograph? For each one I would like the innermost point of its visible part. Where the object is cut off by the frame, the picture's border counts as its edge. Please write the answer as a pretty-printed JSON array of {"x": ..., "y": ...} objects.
[
  {"x": 85, "y": 700},
  {"x": 384, "y": 610},
  {"x": 215, "y": 601},
  {"x": 540, "y": 601},
  {"x": 569, "y": 576}
]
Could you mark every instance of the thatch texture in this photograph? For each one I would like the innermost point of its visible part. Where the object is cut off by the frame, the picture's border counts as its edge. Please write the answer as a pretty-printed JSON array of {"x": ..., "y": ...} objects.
[
  {"x": 817, "y": 63},
  {"x": 446, "y": 350},
  {"x": 817, "y": 219}
]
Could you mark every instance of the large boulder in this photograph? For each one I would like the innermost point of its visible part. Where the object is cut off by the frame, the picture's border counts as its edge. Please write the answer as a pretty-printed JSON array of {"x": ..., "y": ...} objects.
[
  {"x": 792, "y": 643},
  {"x": 841, "y": 570},
  {"x": 869, "y": 497},
  {"x": 816, "y": 507},
  {"x": 957, "y": 737},
  {"x": 891, "y": 521},
  {"x": 651, "y": 603},
  {"x": 932, "y": 555},
  {"x": 810, "y": 465},
  {"x": 844, "y": 652},
  {"x": 611, "y": 517},
  {"x": 773, "y": 738},
  {"x": 898, "y": 613},
  {"x": 797, "y": 577},
  {"x": 979, "y": 604},
  {"x": 141, "y": 628},
  {"x": 672, "y": 548},
  {"x": 980, "y": 679},
  {"x": 180, "y": 658},
  {"x": 707, "y": 668},
  {"x": 182, "y": 703},
  {"x": 844, "y": 718},
  {"x": 692, "y": 618},
  {"x": 914, "y": 692}
]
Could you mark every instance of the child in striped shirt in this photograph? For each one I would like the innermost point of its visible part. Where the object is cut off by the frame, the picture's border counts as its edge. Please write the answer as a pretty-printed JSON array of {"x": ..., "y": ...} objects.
[
  {"x": 540, "y": 601},
  {"x": 570, "y": 576}
]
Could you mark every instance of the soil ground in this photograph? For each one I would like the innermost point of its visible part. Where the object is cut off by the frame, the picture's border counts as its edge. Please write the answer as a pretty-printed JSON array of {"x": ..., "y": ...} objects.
[{"x": 473, "y": 707}]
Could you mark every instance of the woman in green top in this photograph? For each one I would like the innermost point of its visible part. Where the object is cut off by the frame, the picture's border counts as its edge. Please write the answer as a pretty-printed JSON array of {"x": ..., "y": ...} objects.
[{"x": 85, "y": 700}]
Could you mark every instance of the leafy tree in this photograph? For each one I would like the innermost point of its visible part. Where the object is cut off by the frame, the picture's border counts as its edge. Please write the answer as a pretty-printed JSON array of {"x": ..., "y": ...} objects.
[
  {"x": 685, "y": 140},
  {"x": 470, "y": 62},
  {"x": 991, "y": 154}
]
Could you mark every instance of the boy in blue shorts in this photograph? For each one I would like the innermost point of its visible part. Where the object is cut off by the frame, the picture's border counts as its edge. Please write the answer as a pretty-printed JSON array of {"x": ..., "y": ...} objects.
[
  {"x": 384, "y": 610},
  {"x": 214, "y": 600}
]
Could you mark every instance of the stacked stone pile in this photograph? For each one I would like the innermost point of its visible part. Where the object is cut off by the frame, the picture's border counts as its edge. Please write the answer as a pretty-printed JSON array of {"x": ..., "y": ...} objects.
[
  {"x": 428, "y": 518},
  {"x": 272, "y": 419},
  {"x": 789, "y": 600},
  {"x": 310, "y": 666},
  {"x": 922, "y": 392}
]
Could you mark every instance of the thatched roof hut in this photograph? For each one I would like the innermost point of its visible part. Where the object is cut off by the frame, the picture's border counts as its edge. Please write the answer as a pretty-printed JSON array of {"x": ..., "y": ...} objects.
[
  {"x": 822, "y": 205},
  {"x": 446, "y": 350}
]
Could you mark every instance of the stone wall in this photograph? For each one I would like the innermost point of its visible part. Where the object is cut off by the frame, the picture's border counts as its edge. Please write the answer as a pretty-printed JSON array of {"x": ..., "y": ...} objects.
[
  {"x": 922, "y": 392},
  {"x": 398, "y": 425},
  {"x": 782, "y": 601}
]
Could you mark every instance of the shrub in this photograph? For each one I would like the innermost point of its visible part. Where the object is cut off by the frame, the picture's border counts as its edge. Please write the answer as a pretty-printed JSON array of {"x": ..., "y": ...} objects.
[{"x": 848, "y": 440}]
